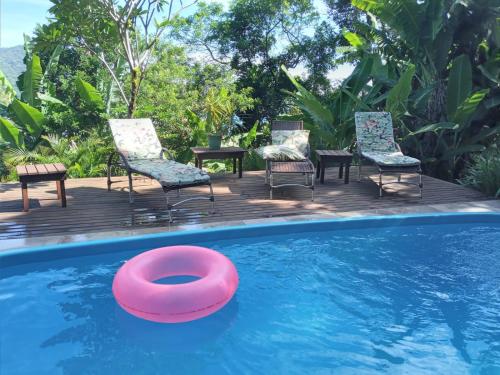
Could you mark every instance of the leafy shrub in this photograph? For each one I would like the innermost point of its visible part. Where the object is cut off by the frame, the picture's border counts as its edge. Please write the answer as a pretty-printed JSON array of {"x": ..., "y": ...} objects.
[
  {"x": 483, "y": 173},
  {"x": 82, "y": 158}
]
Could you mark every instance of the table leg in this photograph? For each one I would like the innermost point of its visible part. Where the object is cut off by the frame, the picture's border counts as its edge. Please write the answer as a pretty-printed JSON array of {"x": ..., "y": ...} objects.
[
  {"x": 322, "y": 173},
  {"x": 26, "y": 201},
  {"x": 58, "y": 186},
  {"x": 62, "y": 188},
  {"x": 341, "y": 170},
  {"x": 346, "y": 178},
  {"x": 234, "y": 165},
  {"x": 318, "y": 166},
  {"x": 195, "y": 161},
  {"x": 240, "y": 167},
  {"x": 200, "y": 162}
]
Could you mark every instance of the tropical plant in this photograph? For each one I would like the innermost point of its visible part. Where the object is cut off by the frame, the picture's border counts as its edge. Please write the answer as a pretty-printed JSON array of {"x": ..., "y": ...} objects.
[
  {"x": 483, "y": 172},
  {"x": 113, "y": 30}
]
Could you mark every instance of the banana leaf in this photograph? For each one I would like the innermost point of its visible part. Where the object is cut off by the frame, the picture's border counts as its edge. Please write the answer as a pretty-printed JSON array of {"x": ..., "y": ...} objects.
[
  {"x": 89, "y": 94},
  {"x": 459, "y": 84},
  {"x": 29, "y": 117},
  {"x": 10, "y": 134}
]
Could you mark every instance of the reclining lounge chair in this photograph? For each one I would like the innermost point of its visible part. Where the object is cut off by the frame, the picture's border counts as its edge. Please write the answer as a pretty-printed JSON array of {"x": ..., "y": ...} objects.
[
  {"x": 288, "y": 154},
  {"x": 375, "y": 143},
  {"x": 140, "y": 152}
]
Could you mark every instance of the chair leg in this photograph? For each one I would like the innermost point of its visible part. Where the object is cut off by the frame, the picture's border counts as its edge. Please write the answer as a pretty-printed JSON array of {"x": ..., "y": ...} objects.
[
  {"x": 312, "y": 189},
  {"x": 130, "y": 188},
  {"x": 380, "y": 184},
  {"x": 169, "y": 209},
  {"x": 109, "y": 171},
  {"x": 399, "y": 177},
  {"x": 212, "y": 198},
  {"x": 271, "y": 186},
  {"x": 359, "y": 171},
  {"x": 267, "y": 171},
  {"x": 420, "y": 184}
]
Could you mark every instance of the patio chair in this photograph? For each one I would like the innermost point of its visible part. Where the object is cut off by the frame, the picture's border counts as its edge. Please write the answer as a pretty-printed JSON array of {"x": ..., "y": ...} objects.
[
  {"x": 140, "y": 152},
  {"x": 288, "y": 154},
  {"x": 375, "y": 143}
]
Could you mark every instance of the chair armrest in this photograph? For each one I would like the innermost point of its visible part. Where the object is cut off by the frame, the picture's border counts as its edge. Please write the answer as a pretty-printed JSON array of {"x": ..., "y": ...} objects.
[
  {"x": 398, "y": 147},
  {"x": 166, "y": 151}
]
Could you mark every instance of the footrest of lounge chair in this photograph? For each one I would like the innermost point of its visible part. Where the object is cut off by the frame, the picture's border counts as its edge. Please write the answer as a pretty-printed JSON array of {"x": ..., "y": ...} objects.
[
  {"x": 292, "y": 167},
  {"x": 169, "y": 172},
  {"x": 391, "y": 159}
]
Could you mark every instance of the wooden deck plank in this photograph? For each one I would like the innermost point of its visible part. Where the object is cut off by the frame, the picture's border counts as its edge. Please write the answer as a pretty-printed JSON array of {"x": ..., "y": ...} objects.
[
  {"x": 91, "y": 208},
  {"x": 51, "y": 168},
  {"x": 60, "y": 167},
  {"x": 41, "y": 169},
  {"x": 31, "y": 169},
  {"x": 21, "y": 170}
]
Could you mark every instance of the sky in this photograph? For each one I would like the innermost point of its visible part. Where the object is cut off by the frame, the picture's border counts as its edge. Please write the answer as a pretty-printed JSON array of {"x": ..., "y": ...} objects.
[{"x": 18, "y": 17}]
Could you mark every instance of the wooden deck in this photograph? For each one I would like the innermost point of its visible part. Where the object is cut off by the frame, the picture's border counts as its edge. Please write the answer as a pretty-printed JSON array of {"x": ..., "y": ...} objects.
[{"x": 91, "y": 208}]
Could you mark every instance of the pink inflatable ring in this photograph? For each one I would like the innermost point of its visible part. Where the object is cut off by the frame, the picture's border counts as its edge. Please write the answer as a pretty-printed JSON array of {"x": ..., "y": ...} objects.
[{"x": 136, "y": 292}]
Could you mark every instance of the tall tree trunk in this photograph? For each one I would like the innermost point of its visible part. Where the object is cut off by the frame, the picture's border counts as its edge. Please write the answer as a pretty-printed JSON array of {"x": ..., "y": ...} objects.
[{"x": 134, "y": 91}]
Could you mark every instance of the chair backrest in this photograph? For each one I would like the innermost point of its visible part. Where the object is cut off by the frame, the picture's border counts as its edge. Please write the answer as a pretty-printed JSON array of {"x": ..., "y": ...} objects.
[
  {"x": 135, "y": 138},
  {"x": 374, "y": 132},
  {"x": 291, "y": 133},
  {"x": 287, "y": 125}
]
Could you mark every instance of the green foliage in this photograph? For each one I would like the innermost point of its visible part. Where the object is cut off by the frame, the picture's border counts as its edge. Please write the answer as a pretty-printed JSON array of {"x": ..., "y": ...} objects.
[
  {"x": 254, "y": 38},
  {"x": 459, "y": 85},
  {"x": 397, "y": 98},
  {"x": 83, "y": 159},
  {"x": 32, "y": 79},
  {"x": 31, "y": 119},
  {"x": 89, "y": 94},
  {"x": 7, "y": 91},
  {"x": 483, "y": 172},
  {"x": 10, "y": 134}
]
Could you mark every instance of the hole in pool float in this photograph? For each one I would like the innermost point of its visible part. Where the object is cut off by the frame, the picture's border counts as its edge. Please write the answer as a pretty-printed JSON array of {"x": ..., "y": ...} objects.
[
  {"x": 177, "y": 279},
  {"x": 159, "y": 285}
]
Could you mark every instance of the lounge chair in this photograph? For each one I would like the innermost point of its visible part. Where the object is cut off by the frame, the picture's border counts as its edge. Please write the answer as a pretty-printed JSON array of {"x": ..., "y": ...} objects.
[
  {"x": 140, "y": 152},
  {"x": 288, "y": 154},
  {"x": 375, "y": 143}
]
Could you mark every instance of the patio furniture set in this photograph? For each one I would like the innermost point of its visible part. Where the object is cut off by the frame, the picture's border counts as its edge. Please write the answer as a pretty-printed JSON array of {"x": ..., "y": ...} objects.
[{"x": 139, "y": 151}]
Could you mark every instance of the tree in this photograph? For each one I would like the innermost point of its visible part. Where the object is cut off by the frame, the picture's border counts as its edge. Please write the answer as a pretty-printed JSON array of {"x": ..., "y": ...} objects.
[
  {"x": 255, "y": 38},
  {"x": 116, "y": 31}
]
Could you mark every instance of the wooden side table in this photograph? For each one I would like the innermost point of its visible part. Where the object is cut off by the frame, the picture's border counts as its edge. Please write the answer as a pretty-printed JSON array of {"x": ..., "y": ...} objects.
[
  {"x": 235, "y": 153},
  {"x": 340, "y": 157},
  {"x": 42, "y": 172}
]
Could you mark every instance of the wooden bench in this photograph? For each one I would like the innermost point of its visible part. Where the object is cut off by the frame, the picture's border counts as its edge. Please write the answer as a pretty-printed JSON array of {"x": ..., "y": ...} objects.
[{"x": 42, "y": 172}]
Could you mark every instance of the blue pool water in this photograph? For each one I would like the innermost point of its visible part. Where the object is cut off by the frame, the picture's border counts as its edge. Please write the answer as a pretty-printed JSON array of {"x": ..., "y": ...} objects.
[{"x": 406, "y": 296}]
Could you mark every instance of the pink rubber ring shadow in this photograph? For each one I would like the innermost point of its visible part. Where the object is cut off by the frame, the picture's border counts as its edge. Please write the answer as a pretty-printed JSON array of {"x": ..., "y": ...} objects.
[{"x": 137, "y": 293}]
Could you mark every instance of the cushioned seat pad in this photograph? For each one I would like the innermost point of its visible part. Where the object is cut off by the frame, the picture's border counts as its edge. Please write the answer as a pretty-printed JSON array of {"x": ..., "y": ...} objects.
[
  {"x": 169, "y": 172},
  {"x": 391, "y": 159}
]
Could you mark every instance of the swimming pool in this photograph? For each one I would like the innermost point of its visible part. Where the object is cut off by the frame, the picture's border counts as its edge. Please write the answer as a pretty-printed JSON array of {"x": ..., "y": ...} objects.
[{"x": 403, "y": 294}]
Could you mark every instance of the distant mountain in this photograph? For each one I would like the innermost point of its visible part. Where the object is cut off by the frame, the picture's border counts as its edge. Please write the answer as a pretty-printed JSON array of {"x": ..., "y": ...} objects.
[{"x": 11, "y": 62}]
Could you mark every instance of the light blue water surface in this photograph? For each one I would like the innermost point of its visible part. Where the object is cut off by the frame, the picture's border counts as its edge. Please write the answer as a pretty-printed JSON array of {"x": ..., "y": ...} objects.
[{"x": 406, "y": 300}]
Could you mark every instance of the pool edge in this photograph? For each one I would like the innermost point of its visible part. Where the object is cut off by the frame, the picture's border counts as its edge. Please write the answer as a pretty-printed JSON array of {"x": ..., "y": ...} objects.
[{"x": 109, "y": 245}]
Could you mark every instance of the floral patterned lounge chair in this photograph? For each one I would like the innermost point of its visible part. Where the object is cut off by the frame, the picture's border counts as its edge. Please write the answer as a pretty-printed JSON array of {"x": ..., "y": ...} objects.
[
  {"x": 288, "y": 154},
  {"x": 376, "y": 144},
  {"x": 140, "y": 152}
]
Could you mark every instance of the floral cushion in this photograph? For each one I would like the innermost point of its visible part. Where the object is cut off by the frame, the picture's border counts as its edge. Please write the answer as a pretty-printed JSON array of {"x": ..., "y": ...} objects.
[
  {"x": 135, "y": 138},
  {"x": 169, "y": 172},
  {"x": 391, "y": 159},
  {"x": 374, "y": 131},
  {"x": 280, "y": 153},
  {"x": 298, "y": 139}
]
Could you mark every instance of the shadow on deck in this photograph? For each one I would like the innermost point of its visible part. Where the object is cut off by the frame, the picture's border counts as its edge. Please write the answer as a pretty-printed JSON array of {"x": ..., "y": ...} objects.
[{"x": 91, "y": 208}]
